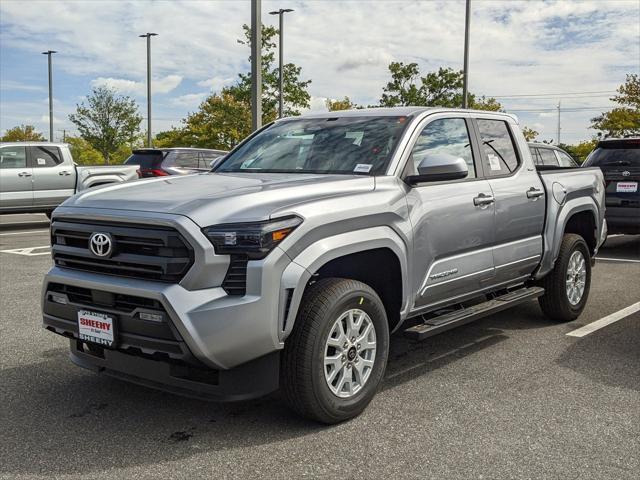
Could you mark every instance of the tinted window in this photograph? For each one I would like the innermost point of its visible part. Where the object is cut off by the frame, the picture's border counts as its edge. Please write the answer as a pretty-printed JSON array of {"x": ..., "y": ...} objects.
[
  {"x": 182, "y": 159},
  {"x": 207, "y": 157},
  {"x": 46, "y": 156},
  {"x": 146, "y": 160},
  {"x": 13, "y": 157},
  {"x": 565, "y": 159},
  {"x": 535, "y": 155},
  {"x": 341, "y": 145},
  {"x": 623, "y": 154},
  {"x": 499, "y": 151},
  {"x": 548, "y": 157},
  {"x": 446, "y": 136}
]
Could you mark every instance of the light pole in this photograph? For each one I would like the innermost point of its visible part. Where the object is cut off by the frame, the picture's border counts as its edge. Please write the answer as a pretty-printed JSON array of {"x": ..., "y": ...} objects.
[
  {"x": 465, "y": 72},
  {"x": 48, "y": 53},
  {"x": 280, "y": 14},
  {"x": 148, "y": 36},
  {"x": 256, "y": 65}
]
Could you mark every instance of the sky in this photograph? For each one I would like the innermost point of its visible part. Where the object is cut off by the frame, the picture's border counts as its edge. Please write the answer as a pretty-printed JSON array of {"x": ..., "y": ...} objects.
[{"x": 530, "y": 55}]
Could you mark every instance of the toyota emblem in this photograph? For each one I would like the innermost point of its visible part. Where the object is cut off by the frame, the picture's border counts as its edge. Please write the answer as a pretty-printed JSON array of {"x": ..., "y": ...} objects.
[
  {"x": 626, "y": 173},
  {"x": 101, "y": 244}
]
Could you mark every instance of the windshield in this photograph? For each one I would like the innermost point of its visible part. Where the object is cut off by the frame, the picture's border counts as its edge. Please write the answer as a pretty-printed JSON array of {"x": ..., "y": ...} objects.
[
  {"x": 347, "y": 145},
  {"x": 150, "y": 159},
  {"x": 624, "y": 154}
]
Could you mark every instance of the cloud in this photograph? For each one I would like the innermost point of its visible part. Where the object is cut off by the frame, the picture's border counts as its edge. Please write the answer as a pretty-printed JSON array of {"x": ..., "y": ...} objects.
[
  {"x": 13, "y": 85},
  {"x": 124, "y": 86},
  {"x": 189, "y": 100},
  {"x": 215, "y": 84}
]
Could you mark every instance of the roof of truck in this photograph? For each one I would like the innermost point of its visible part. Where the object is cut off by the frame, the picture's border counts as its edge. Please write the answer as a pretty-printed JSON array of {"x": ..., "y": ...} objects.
[
  {"x": 34, "y": 143},
  {"x": 395, "y": 112}
]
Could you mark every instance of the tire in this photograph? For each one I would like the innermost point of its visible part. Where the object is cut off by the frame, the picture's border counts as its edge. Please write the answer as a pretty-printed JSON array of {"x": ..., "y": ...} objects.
[
  {"x": 555, "y": 302},
  {"x": 304, "y": 376}
]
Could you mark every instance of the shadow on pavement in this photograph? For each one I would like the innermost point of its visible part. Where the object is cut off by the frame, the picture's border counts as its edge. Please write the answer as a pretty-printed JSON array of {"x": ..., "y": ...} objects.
[{"x": 72, "y": 421}]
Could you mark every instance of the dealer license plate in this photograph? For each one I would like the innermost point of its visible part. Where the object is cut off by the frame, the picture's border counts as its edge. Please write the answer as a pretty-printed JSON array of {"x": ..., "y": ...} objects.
[
  {"x": 95, "y": 327},
  {"x": 627, "y": 187}
]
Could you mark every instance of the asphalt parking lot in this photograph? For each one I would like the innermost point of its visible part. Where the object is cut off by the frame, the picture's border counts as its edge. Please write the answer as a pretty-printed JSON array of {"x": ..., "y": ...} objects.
[{"x": 510, "y": 396}]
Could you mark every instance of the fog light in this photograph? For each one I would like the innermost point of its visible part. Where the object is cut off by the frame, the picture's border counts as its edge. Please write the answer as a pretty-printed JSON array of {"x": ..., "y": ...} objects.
[
  {"x": 61, "y": 299},
  {"x": 152, "y": 317}
]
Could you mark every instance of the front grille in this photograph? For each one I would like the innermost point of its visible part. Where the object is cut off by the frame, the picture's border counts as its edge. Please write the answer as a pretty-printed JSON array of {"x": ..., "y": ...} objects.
[
  {"x": 235, "y": 282},
  {"x": 150, "y": 253}
]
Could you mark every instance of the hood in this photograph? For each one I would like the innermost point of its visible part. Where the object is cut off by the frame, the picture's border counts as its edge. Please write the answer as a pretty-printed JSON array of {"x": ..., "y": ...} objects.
[{"x": 221, "y": 197}]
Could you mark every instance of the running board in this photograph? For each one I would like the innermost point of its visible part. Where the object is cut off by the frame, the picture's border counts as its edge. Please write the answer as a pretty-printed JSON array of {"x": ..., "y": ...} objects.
[{"x": 445, "y": 322}]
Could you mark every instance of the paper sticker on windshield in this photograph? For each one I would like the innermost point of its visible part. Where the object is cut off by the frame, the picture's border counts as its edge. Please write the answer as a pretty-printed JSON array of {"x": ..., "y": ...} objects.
[
  {"x": 363, "y": 168},
  {"x": 494, "y": 162}
]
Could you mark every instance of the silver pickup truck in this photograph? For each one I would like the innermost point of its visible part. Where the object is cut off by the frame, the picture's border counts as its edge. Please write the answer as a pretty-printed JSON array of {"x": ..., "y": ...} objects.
[
  {"x": 38, "y": 176},
  {"x": 290, "y": 264}
]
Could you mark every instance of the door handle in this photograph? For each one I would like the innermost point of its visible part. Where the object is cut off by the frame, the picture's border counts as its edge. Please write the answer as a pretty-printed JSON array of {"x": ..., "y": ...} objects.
[
  {"x": 482, "y": 200},
  {"x": 534, "y": 193},
  {"x": 64, "y": 172},
  {"x": 24, "y": 174}
]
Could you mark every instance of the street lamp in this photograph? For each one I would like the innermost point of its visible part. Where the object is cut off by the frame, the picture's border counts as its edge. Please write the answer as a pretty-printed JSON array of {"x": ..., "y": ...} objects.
[
  {"x": 48, "y": 53},
  {"x": 465, "y": 73},
  {"x": 256, "y": 65},
  {"x": 280, "y": 14},
  {"x": 148, "y": 36}
]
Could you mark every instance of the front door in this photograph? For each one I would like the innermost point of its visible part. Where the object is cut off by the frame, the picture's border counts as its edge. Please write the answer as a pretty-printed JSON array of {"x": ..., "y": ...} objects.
[
  {"x": 453, "y": 221},
  {"x": 53, "y": 180},
  {"x": 15, "y": 178}
]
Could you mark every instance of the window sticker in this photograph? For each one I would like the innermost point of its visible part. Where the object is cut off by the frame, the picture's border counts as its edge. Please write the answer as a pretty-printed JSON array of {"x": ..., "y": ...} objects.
[
  {"x": 494, "y": 162},
  {"x": 363, "y": 168},
  {"x": 41, "y": 161}
]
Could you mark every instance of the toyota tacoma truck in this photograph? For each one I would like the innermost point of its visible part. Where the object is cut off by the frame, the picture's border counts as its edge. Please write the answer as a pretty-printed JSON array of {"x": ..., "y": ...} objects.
[
  {"x": 288, "y": 266},
  {"x": 35, "y": 177}
]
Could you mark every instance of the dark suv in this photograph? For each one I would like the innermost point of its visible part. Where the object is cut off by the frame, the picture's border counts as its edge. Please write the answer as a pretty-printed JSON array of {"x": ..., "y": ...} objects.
[
  {"x": 619, "y": 160},
  {"x": 158, "y": 162}
]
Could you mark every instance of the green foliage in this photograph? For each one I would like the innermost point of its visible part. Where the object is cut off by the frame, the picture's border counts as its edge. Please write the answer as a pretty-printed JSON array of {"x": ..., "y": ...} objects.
[
  {"x": 344, "y": 104},
  {"x": 108, "y": 122},
  {"x": 22, "y": 133},
  {"x": 529, "y": 134},
  {"x": 437, "y": 89},
  {"x": 623, "y": 120},
  {"x": 580, "y": 151},
  {"x": 83, "y": 153}
]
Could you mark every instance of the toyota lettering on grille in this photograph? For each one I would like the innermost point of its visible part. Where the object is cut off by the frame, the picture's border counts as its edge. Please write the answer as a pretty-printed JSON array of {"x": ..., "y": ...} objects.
[{"x": 101, "y": 244}]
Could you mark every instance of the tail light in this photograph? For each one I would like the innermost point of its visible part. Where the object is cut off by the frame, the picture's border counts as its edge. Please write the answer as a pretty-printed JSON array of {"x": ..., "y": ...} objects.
[{"x": 152, "y": 172}]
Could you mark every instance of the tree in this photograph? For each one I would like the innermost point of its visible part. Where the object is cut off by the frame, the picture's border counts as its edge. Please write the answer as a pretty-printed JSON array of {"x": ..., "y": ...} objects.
[
  {"x": 344, "y": 104},
  {"x": 529, "y": 134},
  {"x": 625, "y": 119},
  {"x": 437, "y": 89},
  {"x": 83, "y": 153},
  {"x": 295, "y": 94},
  {"x": 107, "y": 122},
  {"x": 580, "y": 151},
  {"x": 22, "y": 133}
]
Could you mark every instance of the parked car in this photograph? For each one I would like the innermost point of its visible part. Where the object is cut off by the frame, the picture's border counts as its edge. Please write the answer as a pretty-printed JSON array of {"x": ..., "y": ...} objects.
[
  {"x": 619, "y": 160},
  {"x": 291, "y": 263},
  {"x": 549, "y": 155},
  {"x": 35, "y": 177},
  {"x": 159, "y": 162}
]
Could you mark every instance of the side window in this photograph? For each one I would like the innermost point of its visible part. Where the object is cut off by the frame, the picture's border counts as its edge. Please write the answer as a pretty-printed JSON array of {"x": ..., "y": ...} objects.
[
  {"x": 548, "y": 157},
  {"x": 565, "y": 160},
  {"x": 43, "y": 156},
  {"x": 186, "y": 159},
  {"x": 497, "y": 145},
  {"x": 13, "y": 157},
  {"x": 445, "y": 136},
  {"x": 535, "y": 154}
]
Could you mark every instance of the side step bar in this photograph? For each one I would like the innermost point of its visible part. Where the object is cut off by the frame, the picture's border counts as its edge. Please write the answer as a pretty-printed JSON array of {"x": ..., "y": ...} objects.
[{"x": 447, "y": 321}]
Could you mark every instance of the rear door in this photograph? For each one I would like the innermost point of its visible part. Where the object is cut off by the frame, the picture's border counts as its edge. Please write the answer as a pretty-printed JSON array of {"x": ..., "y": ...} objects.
[
  {"x": 519, "y": 199},
  {"x": 452, "y": 221},
  {"x": 16, "y": 177},
  {"x": 53, "y": 180}
]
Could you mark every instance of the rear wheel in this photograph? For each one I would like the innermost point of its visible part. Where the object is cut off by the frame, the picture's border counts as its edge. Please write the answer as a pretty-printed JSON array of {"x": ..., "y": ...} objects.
[
  {"x": 335, "y": 357},
  {"x": 567, "y": 285}
]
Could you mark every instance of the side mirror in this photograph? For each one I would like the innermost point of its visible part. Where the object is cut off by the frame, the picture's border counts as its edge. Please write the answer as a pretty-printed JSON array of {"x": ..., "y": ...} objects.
[
  {"x": 437, "y": 167},
  {"x": 216, "y": 161}
]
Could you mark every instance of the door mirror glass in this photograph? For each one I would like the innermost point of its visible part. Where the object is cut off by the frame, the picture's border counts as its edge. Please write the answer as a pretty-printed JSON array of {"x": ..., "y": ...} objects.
[
  {"x": 437, "y": 167},
  {"x": 216, "y": 161}
]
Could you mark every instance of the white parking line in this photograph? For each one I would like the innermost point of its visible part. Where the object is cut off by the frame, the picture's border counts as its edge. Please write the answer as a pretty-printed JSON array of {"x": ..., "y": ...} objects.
[
  {"x": 609, "y": 259},
  {"x": 28, "y": 251},
  {"x": 25, "y": 233},
  {"x": 603, "y": 322}
]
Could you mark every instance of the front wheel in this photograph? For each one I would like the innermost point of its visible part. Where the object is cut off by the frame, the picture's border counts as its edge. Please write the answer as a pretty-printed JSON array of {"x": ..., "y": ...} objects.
[
  {"x": 336, "y": 355},
  {"x": 567, "y": 285}
]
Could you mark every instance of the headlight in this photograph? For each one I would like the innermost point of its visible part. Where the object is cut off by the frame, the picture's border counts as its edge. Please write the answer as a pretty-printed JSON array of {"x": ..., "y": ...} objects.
[{"x": 255, "y": 239}]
